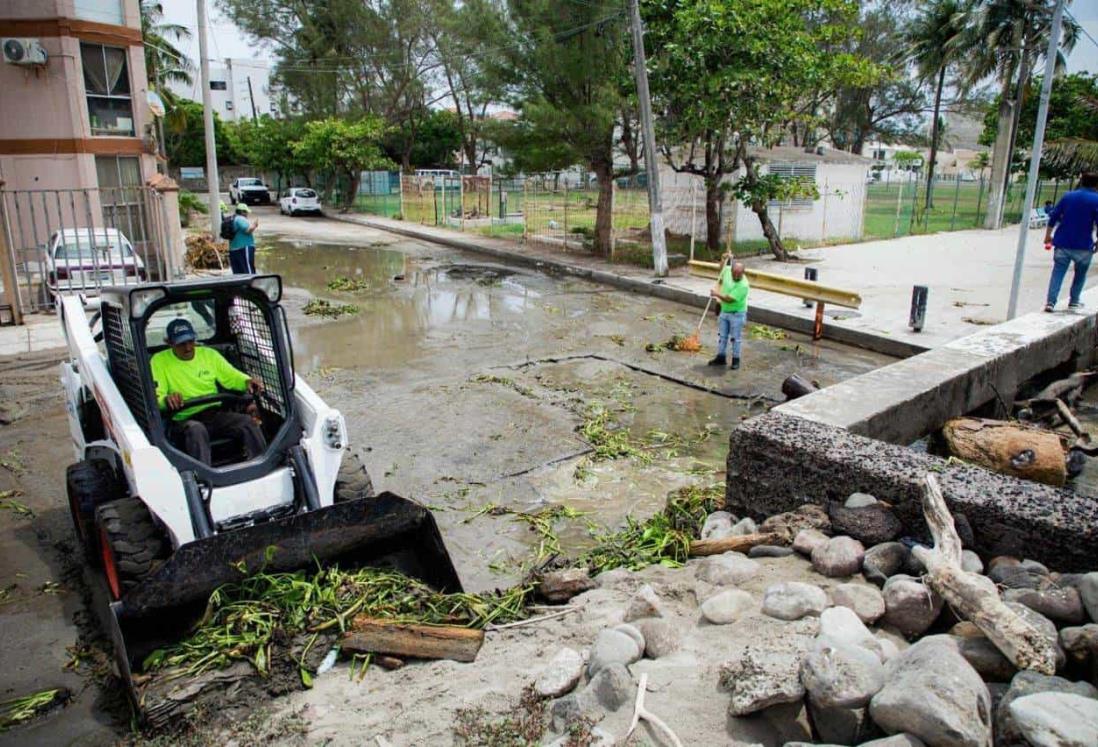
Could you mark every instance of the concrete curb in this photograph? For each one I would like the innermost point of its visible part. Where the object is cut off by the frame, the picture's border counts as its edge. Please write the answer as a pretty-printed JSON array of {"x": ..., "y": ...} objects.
[{"x": 655, "y": 287}]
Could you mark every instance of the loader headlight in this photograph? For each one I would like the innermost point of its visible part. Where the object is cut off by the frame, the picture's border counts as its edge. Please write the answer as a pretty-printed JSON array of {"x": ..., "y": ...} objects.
[{"x": 333, "y": 432}]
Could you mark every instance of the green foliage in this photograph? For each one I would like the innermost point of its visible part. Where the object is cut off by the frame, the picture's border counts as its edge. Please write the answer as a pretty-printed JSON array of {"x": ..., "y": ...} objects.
[
  {"x": 348, "y": 285},
  {"x": 428, "y": 141},
  {"x": 268, "y": 144},
  {"x": 329, "y": 310},
  {"x": 757, "y": 191},
  {"x": 23, "y": 709},
  {"x": 189, "y": 203},
  {"x": 337, "y": 147},
  {"x": 164, "y": 63},
  {"x": 908, "y": 160},
  {"x": 185, "y": 135}
]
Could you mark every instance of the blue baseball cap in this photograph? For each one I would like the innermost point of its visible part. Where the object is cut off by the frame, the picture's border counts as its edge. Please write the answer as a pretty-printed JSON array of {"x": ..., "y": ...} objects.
[{"x": 180, "y": 331}]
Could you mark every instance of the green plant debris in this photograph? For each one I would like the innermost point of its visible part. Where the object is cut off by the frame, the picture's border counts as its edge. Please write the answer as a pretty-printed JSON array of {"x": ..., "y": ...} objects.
[
  {"x": 618, "y": 340},
  {"x": 542, "y": 521},
  {"x": 663, "y": 539},
  {"x": 763, "y": 332},
  {"x": 51, "y": 587},
  {"x": 522, "y": 724},
  {"x": 21, "y": 710},
  {"x": 12, "y": 461},
  {"x": 327, "y": 309},
  {"x": 5, "y": 593},
  {"x": 245, "y": 619},
  {"x": 348, "y": 285},
  {"x": 504, "y": 381},
  {"x": 8, "y": 502},
  {"x": 609, "y": 440}
]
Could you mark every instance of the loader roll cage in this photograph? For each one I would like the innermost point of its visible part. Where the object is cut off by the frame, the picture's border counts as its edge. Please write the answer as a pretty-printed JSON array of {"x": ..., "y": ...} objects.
[{"x": 241, "y": 318}]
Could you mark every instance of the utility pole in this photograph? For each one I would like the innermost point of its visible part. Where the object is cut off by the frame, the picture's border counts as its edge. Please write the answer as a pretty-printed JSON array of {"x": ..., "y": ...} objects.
[
  {"x": 208, "y": 122},
  {"x": 1035, "y": 156},
  {"x": 655, "y": 206},
  {"x": 252, "y": 97}
]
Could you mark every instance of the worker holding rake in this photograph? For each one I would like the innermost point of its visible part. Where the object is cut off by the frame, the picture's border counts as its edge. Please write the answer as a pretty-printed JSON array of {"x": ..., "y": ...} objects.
[{"x": 731, "y": 291}]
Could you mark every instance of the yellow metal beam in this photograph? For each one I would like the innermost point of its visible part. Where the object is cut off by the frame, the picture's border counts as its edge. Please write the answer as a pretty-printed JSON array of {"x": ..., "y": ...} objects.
[{"x": 786, "y": 286}]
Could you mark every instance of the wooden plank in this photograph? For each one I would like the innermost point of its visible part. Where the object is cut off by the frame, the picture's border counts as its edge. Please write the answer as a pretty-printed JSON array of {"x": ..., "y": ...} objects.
[
  {"x": 738, "y": 543},
  {"x": 786, "y": 286},
  {"x": 371, "y": 635}
]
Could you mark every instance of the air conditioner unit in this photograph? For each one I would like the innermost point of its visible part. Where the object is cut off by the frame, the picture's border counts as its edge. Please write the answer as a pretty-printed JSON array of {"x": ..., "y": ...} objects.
[{"x": 24, "y": 51}]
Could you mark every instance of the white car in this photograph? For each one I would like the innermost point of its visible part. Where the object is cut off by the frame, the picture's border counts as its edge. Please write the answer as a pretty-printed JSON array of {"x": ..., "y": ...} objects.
[
  {"x": 86, "y": 259},
  {"x": 250, "y": 191},
  {"x": 299, "y": 200}
]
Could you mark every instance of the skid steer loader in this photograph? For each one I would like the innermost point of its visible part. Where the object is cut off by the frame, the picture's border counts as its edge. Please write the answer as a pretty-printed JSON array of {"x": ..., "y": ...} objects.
[{"x": 166, "y": 529}]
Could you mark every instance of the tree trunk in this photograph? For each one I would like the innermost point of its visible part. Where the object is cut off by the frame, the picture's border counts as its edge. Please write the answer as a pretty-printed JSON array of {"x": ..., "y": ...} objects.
[
  {"x": 604, "y": 174},
  {"x": 1010, "y": 448},
  {"x": 713, "y": 213},
  {"x": 934, "y": 139},
  {"x": 372, "y": 635},
  {"x": 769, "y": 231},
  {"x": 352, "y": 189}
]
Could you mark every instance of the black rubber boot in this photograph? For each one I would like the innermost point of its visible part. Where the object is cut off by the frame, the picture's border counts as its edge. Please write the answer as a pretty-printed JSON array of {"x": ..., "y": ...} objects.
[
  {"x": 719, "y": 360},
  {"x": 735, "y": 363}
]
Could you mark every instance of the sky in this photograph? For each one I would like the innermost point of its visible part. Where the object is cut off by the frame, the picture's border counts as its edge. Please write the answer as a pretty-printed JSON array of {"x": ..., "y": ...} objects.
[{"x": 227, "y": 41}]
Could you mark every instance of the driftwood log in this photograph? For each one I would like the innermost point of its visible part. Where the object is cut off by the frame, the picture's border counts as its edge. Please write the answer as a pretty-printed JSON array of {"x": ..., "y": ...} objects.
[
  {"x": 974, "y": 597},
  {"x": 1010, "y": 448},
  {"x": 372, "y": 635},
  {"x": 797, "y": 386},
  {"x": 738, "y": 543}
]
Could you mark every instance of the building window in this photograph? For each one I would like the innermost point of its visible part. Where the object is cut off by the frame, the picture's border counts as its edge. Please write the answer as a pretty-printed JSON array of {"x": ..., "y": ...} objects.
[
  {"x": 120, "y": 194},
  {"x": 229, "y": 105},
  {"x": 218, "y": 85},
  {"x": 100, "y": 11},
  {"x": 107, "y": 85}
]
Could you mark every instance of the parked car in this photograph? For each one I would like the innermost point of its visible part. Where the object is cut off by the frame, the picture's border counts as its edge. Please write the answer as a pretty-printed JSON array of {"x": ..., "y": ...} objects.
[
  {"x": 86, "y": 259},
  {"x": 250, "y": 191},
  {"x": 299, "y": 200}
]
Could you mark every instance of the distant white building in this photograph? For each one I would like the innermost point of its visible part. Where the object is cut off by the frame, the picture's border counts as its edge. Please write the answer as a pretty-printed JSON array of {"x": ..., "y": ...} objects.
[{"x": 239, "y": 89}]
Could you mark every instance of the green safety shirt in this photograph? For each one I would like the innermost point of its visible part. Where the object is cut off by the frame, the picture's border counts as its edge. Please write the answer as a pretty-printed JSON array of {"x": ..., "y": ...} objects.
[
  {"x": 197, "y": 377},
  {"x": 734, "y": 289}
]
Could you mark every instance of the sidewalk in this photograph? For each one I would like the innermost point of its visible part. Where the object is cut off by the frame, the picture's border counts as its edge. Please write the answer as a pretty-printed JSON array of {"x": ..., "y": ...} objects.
[
  {"x": 39, "y": 332},
  {"x": 968, "y": 274}
]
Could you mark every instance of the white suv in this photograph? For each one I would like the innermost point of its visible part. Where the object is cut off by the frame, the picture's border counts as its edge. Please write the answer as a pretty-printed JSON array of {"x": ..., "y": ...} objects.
[
  {"x": 299, "y": 200},
  {"x": 250, "y": 191}
]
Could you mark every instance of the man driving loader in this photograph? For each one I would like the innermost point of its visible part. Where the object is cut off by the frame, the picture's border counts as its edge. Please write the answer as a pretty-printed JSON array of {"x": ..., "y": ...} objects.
[{"x": 188, "y": 371}]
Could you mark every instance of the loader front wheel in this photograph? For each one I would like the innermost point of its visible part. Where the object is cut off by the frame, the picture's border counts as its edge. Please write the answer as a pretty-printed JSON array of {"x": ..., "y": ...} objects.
[
  {"x": 353, "y": 481},
  {"x": 131, "y": 544},
  {"x": 90, "y": 483}
]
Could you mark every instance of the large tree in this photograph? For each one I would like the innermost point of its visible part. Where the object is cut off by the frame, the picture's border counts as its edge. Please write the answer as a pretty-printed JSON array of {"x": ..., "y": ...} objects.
[
  {"x": 341, "y": 149},
  {"x": 164, "y": 63},
  {"x": 268, "y": 145},
  {"x": 730, "y": 79}
]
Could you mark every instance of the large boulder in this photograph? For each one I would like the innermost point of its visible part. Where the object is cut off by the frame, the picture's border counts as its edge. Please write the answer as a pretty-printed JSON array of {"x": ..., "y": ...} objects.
[
  {"x": 985, "y": 657},
  {"x": 870, "y": 525},
  {"x": 842, "y": 725},
  {"x": 842, "y": 625},
  {"x": 931, "y": 692},
  {"x": 1056, "y": 720},
  {"x": 792, "y": 600},
  {"x": 560, "y": 675},
  {"x": 840, "y": 675},
  {"x": 910, "y": 606},
  {"x": 758, "y": 678},
  {"x": 1007, "y": 733},
  {"x": 727, "y": 569},
  {"x": 866, "y": 601},
  {"x": 840, "y": 557},
  {"x": 808, "y": 540}
]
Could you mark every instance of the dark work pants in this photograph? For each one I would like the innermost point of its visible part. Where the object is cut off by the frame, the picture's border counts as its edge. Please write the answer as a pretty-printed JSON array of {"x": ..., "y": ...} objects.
[
  {"x": 193, "y": 434},
  {"x": 242, "y": 260}
]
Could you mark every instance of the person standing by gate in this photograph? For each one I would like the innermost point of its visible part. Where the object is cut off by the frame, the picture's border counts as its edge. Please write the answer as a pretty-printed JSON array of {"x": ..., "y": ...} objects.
[
  {"x": 242, "y": 244},
  {"x": 1074, "y": 219},
  {"x": 731, "y": 290}
]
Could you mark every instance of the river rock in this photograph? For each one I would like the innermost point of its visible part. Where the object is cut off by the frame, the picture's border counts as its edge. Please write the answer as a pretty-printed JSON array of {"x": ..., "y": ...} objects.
[
  {"x": 758, "y": 679},
  {"x": 769, "y": 551},
  {"x": 859, "y": 500},
  {"x": 611, "y": 647},
  {"x": 612, "y": 687},
  {"x": 985, "y": 657},
  {"x": 1027, "y": 683},
  {"x": 808, "y": 540},
  {"x": 964, "y": 530},
  {"x": 618, "y": 578},
  {"x": 1034, "y": 566},
  {"x": 842, "y": 725},
  {"x": 842, "y": 625},
  {"x": 896, "y": 740},
  {"x": 793, "y": 600},
  {"x": 718, "y": 525},
  {"x": 808, "y": 516},
  {"x": 560, "y": 675},
  {"x": 1061, "y": 605},
  {"x": 633, "y": 633},
  {"x": 910, "y": 606},
  {"x": 913, "y": 566},
  {"x": 744, "y": 527},
  {"x": 884, "y": 560},
  {"x": 931, "y": 692},
  {"x": 1088, "y": 591},
  {"x": 839, "y": 675},
  {"x": 971, "y": 562},
  {"x": 866, "y": 601},
  {"x": 575, "y": 707},
  {"x": 728, "y": 569},
  {"x": 1000, "y": 563},
  {"x": 870, "y": 525},
  {"x": 1056, "y": 720},
  {"x": 840, "y": 557},
  {"x": 1018, "y": 577},
  {"x": 660, "y": 637},
  {"x": 560, "y": 586},
  {"x": 727, "y": 606},
  {"x": 1080, "y": 644},
  {"x": 644, "y": 603}
]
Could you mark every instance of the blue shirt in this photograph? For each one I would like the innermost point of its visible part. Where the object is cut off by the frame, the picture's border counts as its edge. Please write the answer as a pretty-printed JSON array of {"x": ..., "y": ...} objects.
[
  {"x": 1075, "y": 217},
  {"x": 241, "y": 239}
]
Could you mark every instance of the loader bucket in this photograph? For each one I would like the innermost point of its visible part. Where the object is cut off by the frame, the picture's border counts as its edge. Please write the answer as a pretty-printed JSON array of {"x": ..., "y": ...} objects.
[{"x": 385, "y": 531}]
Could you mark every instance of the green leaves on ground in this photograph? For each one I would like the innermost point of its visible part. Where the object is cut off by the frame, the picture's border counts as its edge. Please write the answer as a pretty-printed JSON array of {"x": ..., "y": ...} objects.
[
  {"x": 320, "y": 307},
  {"x": 9, "y": 503},
  {"x": 23, "y": 709},
  {"x": 348, "y": 285}
]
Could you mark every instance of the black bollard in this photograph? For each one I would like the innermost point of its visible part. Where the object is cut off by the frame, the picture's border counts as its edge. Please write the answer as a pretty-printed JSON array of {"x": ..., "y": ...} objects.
[
  {"x": 812, "y": 275},
  {"x": 919, "y": 295}
]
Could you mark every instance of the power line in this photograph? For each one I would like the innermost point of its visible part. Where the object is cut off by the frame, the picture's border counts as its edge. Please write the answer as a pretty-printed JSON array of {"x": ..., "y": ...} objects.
[{"x": 1081, "y": 27}]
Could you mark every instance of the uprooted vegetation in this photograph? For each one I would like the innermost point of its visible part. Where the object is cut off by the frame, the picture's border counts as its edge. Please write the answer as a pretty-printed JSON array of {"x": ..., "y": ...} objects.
[
  {"x": 329, "y": 310},
  {"x": 348, "y": 284}
]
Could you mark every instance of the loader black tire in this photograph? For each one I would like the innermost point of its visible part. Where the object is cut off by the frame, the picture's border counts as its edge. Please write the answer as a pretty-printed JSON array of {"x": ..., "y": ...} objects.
[
  {"x": 131, "y": 544},
  {"x": 90, "y": 483},
  {"x": 353, "y": 481}
]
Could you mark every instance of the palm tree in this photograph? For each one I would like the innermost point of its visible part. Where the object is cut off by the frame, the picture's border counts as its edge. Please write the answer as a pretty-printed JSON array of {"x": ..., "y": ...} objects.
[
  {"x": 935, "y": 41},
  {"x": 164, "y": 62}
]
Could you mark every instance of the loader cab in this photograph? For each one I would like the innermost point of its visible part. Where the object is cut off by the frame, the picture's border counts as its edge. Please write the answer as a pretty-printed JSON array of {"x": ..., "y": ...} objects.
[{"x": 241, "y": 318}]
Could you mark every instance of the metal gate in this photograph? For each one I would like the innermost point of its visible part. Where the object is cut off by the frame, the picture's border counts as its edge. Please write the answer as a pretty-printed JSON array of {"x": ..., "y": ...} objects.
[{"x": 66, "y": 241}]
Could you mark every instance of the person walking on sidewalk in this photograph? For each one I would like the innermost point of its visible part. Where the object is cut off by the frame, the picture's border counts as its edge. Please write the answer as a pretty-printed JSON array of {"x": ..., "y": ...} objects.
[
  {"x": 1074, "y": 219},
  {"x": 242, "y": 244},
  {"x": 731, "y": 290}
]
